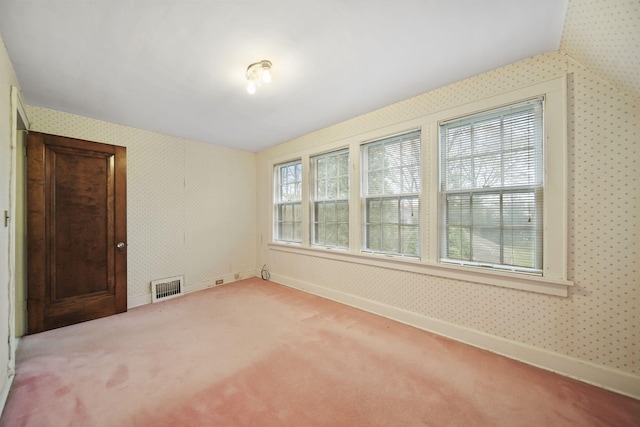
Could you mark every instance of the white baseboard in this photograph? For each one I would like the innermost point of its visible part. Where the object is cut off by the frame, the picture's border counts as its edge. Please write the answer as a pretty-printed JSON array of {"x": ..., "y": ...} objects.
[
  {"x": 138, "y": 300},
  {"x": 226, "y": 279},
  {"x": 604, "y": 377}
]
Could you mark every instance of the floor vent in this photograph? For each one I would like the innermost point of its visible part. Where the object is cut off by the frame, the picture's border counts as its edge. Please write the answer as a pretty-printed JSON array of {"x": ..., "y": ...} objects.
[{"x": 165, "y": 289}]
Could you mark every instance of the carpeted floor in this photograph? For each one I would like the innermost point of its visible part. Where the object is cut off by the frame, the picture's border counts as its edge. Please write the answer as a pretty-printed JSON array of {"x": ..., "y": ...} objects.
[{"x": 254, "y": 353}]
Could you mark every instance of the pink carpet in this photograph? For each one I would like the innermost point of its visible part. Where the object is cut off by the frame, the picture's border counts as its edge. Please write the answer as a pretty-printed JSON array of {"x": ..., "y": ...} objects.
[{"x": 255, "y": 353}]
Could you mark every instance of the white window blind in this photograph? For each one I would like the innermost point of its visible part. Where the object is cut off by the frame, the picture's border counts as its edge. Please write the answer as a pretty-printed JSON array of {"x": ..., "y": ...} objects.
[
  {"x": 330, "y": 199},
  {"x": 491, "y": 188},
  {"x": 287, "y": 203},
  {"x": 391, "y": 195}
]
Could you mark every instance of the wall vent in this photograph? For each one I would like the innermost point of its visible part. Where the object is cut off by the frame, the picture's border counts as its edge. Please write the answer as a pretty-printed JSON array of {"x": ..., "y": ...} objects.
[{"x": 164, "y": 289}]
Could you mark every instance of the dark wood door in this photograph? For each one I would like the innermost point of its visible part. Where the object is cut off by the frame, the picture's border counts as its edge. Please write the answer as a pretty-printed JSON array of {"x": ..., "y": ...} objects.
[{"x": 76, "y": 231}]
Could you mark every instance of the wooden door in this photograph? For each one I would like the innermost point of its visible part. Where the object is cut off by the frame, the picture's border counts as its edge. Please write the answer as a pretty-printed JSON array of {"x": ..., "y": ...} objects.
[{"x": 76, "y": 231}]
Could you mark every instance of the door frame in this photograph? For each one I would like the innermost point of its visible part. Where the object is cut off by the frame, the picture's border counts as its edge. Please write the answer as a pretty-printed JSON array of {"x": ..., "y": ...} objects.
[{"x": 19, "y": 121}]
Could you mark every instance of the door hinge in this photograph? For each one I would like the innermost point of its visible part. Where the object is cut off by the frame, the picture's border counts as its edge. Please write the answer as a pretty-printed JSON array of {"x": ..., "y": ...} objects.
[{"x": 6, "y": 218}]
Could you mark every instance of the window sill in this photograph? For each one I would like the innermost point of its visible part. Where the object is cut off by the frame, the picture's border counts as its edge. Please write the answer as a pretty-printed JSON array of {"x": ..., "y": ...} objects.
[{"x": 524, "y": 282}]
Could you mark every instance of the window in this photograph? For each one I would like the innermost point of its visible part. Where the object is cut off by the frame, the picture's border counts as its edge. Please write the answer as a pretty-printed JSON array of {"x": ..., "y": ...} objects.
[
  {"x": 495, "y": 187},
  {"x": 330, "y": 199},
  {"x": 287, "y": 203},
  {"x": 391, "y": 195},
  {"x": 491, "y": 189}
]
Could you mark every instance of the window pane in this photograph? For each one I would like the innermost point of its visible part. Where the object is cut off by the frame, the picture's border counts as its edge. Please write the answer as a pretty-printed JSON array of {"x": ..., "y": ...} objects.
[
  {"x": 519, "y": 168},
  {"x": 458, "y": 243},
  {"x": 390, "y": 238},
  {"x": 519, "y": 209},
  {"x": 373, "y": 211},
  {"x": 373, "y": 237},
  {"x": 330, "y": 212},
  {"x": 486, "y": 245},
  {"x": 487, "y": 136},
  {"x": 331, "y": 199},
  {"x": 321, "y": 189},
  {"x": 375, "y": 182},
  {"x": 343, "y": 187},
  {"x": 331, "y": 230},
  {"x": 409, "y": 237},
  {"x": 297, "y": 212},
  {"x": 410, "y": 211},
  {"x": 297, "y": 232},
  {"x": 520, "y": 247},
  {"x": 486, "y": 210},
  {"x": 459, "y": 174},
  {"x": 343, "y": 164},
  {"x": 332, "y": 166},
  {"x": 332, "y": 188},
  {"x": 410, "y": 179},
  {"x": 393, "y": 181},
  {"x": 321, "y": 168},
  {"x": 343, "y": 235},
  {"x": 287, "y": 233},
  {"x": 456, "y": 140},
  {"x": 376, "y": 157},
  {"x": 458, "y": 209},
  {"x": 391, "y": 169},
  {"x": 320, "y": 234},
  {"x": 342, "y": 211},
  {"x": 390, "y": 210},
  {"x": 496, "y": 158},
  {"x": 287, "y": 213},
  {"x": 488, "y": 171}
]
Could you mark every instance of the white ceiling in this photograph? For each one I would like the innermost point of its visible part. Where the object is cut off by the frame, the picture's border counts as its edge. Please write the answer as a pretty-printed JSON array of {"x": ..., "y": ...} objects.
[{"x": 178, "y": 67}]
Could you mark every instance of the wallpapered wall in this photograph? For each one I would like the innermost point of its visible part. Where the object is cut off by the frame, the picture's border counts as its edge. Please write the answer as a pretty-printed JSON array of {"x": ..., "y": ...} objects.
[
  {"x": 604, "y": 36},
  {"x": 599, "y": 320},
  {"x": 190, "y": 205}
]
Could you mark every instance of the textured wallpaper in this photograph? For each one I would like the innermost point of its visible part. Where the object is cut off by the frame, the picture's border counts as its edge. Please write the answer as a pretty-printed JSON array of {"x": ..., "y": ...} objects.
[
  {"x": 604, "y": 36},
  {"x": 190, "y": 205},
  {"x": 599, "y": 321}
]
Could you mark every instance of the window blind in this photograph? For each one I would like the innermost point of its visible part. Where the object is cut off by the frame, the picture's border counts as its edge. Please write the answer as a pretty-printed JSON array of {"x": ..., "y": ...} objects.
[
  {"x": 288, "y": 202},
  {"x": 330, "y": 199},
  {"x": 491, "y": 188},
  {"x": 391, "y": 182}
]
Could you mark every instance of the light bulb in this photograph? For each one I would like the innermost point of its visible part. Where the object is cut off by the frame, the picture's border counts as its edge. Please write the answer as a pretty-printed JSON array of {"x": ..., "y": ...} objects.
[
  {"x": 266, "y": 75},
  {"x": 251, "y": 87}
]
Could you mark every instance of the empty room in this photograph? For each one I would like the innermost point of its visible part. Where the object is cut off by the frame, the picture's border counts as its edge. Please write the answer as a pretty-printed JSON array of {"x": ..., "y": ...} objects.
[{"x": 320, "y": 213}]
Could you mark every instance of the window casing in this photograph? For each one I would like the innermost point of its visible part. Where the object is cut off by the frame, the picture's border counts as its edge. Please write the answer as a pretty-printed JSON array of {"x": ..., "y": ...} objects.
[
  {"x": 491, "y": 189},
  {"x": 288, "y": 202},
  {"x": 330, "y": 199},
  {"x": 366, "y": 207},
  {"x": 391, "y": 182}
]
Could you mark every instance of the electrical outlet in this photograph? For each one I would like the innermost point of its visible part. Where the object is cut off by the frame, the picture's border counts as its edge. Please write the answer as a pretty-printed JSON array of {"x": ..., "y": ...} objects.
[
  {"x": 219, "y": 282},
  {"x": 236, "y": 276}
]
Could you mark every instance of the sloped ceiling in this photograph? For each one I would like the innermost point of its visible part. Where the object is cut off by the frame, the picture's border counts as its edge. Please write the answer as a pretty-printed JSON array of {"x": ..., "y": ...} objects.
[
  {"x": 178, "y": 67},
  {"x": 604, "y": 36}
]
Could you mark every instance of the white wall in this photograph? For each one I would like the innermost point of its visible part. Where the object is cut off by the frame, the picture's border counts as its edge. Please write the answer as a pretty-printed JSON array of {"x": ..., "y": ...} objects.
[
  {"x": 190, "y": 205},
  {"x": 594, "y": 333}
]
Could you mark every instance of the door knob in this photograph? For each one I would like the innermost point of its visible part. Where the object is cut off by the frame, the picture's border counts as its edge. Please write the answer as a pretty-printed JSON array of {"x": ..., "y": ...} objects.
[{"x": 120, "y": 246}]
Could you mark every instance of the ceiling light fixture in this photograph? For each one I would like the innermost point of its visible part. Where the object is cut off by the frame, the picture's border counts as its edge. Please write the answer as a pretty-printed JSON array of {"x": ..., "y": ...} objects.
[{"x": 258, "y": 73}]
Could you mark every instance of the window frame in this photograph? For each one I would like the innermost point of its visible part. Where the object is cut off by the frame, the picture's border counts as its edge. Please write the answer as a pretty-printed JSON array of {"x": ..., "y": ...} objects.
[
  {"x": 383, "y": 196},
  {"x": 554, "y": 278},
  {"x": 502, "y": 190},
  {"x": 554, "y": 176},
  {"x": 278, "y": 202},
  {"x": 314, "y": 199}
]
